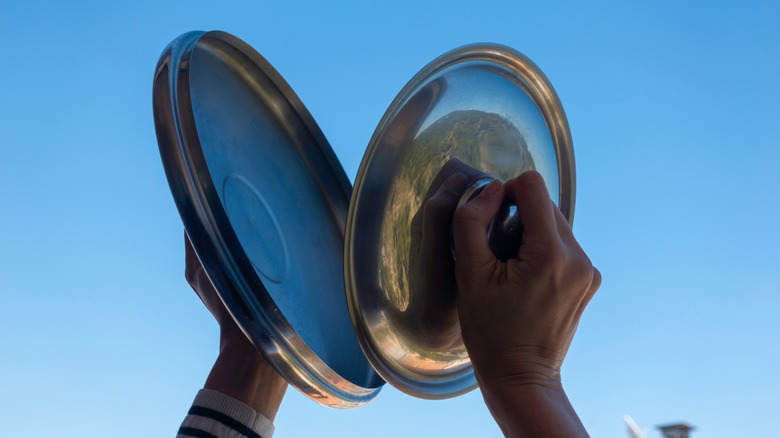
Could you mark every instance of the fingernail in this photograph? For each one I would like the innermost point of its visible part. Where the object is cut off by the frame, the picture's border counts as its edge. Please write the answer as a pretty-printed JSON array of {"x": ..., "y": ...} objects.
[{"x": 491, "y": 188}]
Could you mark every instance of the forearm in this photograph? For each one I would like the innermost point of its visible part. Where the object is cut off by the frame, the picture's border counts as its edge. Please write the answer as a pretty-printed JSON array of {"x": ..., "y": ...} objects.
[
  {"x": 242, "y": 373},
  {"x": 533, "y": 410}
]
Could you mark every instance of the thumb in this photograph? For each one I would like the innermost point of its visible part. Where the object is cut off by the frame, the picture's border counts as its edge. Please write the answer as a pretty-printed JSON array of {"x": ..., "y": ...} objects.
[{"x": 470, "y": 225}]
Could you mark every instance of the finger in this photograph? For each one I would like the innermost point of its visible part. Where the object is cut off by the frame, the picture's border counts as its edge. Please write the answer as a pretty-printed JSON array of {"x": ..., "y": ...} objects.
[
  {"x": 564, "y": 229},
  {"x": 191, "y": 263},
  {"x": 438, "y": 212},
  {"x": 533, "y": 206},
  {"x": 470, "y": 226}
]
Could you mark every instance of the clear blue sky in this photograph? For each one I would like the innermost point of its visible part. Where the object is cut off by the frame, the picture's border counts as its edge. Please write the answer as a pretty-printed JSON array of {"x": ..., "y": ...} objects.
[{"x": 675, "y": 114}]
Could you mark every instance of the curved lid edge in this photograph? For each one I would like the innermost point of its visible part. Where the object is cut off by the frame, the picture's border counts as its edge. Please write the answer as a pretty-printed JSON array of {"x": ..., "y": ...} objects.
[
  {"x": 184, "y": 167},
  {"x": 541, "y": 91}
]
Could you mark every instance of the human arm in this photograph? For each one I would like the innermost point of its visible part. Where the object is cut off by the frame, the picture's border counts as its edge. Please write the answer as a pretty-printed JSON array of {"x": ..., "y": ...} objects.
[
  {"x": 240, "y": 371},
  {"x": 518, "y": 318}
]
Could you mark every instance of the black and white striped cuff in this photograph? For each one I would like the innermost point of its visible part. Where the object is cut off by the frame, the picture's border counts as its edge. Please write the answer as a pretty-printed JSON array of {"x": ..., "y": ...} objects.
[{"x": 216, "y": 415}]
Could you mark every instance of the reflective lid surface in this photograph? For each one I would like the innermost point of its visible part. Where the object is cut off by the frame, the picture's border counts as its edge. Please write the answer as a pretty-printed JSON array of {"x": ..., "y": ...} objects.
[
  {"x": 481, "y": 109},
  {"x": 264, "y": 201}
]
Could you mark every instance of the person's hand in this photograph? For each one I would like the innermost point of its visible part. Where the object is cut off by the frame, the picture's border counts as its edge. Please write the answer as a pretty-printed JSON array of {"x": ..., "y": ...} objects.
[
  {"x": 200, "y": 283},
  {"x": 518, "y": 318},
  {"x": 240, "y": 370}
]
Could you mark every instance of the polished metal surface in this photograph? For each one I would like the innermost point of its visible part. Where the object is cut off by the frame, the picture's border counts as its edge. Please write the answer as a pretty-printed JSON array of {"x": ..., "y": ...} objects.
[
  {"x": 264, "y": 201},
  {"x": 478, "y": 110}
]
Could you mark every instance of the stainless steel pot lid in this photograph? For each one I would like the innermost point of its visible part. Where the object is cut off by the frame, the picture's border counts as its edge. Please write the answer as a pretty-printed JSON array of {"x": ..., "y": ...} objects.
[
  {"x": 480, "y": 109},
  {"x": 264, "y": 201}
]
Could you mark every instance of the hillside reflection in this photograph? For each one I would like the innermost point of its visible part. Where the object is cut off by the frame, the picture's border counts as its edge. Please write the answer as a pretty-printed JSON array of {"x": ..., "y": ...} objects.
[{"x": 421, "y": 289}]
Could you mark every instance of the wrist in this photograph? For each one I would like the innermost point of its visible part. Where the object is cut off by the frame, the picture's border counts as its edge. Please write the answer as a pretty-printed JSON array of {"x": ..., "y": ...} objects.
[
  {"x": 499, "y": 368},
  {"x": 233, "y": 341},
  {"x": 533, "y": 409},
  {"x": 241, "y": 372}
]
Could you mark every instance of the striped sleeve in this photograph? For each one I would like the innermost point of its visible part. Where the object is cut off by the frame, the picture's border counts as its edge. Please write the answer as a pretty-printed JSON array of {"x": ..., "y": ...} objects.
[{"x": 216, "y": 415}]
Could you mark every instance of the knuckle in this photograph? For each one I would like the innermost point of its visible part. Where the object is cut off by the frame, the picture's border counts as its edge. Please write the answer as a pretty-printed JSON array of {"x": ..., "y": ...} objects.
[
  {"x": 596, "y": 282},
  {"x": 191, "y": 273},
  {"x": 188, "y": 274},
  {"x": 581, "y": 271}
]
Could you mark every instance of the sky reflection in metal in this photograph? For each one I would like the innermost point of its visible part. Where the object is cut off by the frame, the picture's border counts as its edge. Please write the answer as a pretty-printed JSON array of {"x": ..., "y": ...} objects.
[{"x": 673, "y": 110}]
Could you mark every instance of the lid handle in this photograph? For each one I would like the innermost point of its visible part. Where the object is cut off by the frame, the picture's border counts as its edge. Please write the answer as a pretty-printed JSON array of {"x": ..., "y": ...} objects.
[{"x": 505, "y": 232}]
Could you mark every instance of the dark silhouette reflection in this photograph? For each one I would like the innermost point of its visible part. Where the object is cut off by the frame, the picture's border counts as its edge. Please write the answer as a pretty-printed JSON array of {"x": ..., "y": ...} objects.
[
  {"x": 431, "y": 272},
  {"x": 416, "y": 271}
]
